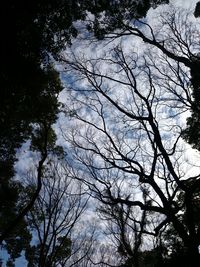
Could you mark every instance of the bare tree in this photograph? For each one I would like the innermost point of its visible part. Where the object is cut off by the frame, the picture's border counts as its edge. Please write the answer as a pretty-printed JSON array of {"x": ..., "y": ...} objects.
[
  {"x": 127, "y": 232},
  {"x": 53, "y": 219},
  {"x": 128, "y": 128}
]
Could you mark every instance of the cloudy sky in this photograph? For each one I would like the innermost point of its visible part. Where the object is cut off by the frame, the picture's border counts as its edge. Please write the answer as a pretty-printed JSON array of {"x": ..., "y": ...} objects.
[{"x": 27, "y": 158}]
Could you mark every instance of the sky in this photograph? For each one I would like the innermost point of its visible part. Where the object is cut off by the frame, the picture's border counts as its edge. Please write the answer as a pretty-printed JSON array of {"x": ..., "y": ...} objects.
[
  {"x": 91, "y": 51},
  {"x": 28, "y": 158}
]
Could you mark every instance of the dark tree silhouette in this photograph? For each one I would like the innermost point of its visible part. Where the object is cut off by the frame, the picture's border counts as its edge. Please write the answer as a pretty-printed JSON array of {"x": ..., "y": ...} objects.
[
  {"x": 125, "y": 135},
  {"x": 53, "y": 218}
]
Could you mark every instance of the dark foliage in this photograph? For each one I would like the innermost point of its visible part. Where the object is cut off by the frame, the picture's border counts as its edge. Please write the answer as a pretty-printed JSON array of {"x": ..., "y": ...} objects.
[
  {"x": 32, "y": 33},
  {"x": 192, "y": 132},
  {"x": 115, "y": 12},
  {"x": 197, "y": 10}
]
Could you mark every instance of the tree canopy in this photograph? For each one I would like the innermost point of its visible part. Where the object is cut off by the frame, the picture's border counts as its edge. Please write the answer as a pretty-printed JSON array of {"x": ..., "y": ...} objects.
[{"x": 128, "y": 85}]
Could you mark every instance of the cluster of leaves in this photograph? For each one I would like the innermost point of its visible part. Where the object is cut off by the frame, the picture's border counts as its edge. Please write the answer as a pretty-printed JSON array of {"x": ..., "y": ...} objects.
[
  {"x": 31, "y": 33},
  {"x": 192, "y": 132},
  {"x": 110, "y": 15},
  {"x": 197, "y": 10}
]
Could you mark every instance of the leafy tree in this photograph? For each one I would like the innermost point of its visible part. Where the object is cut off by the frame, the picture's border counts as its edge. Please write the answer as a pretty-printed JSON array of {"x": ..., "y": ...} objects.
[
  {"x": 33, "y": 34},
  {"x": 43, "y": 140},
  {"x": 197, "y": 10},
  {"x": 109, "y": 15},
  {"x": 174, "y": 250},
  {"x": 29, "y": 88},
  {"x": 15, "y": 232}
]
